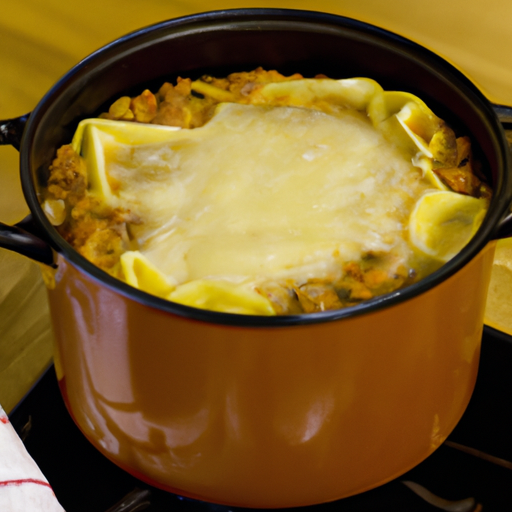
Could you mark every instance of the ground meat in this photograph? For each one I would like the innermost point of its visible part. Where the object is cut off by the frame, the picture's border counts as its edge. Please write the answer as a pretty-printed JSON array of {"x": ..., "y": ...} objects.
[
  {"x": 461, "y": 175},
  {"x": 68, "y": 176},
  {"x": 95, "y": 230},
  {"x": 104, "y": 248}
]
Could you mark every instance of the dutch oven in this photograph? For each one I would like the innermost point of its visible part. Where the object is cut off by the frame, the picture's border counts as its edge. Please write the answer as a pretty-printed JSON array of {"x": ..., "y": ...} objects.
[{"x": 247, "y": 410}]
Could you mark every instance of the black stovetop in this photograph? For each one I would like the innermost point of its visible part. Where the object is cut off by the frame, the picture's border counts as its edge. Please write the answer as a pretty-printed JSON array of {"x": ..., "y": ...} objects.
[{"x": 85, "y": 481}]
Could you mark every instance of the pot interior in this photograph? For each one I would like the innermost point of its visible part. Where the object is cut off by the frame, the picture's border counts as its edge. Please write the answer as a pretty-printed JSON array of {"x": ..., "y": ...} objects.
[{"x": 241, "y": 40}]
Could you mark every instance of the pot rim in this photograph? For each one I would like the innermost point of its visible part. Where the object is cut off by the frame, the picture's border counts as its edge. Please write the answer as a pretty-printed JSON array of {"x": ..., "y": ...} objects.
[{"x": 233, "y": 18}]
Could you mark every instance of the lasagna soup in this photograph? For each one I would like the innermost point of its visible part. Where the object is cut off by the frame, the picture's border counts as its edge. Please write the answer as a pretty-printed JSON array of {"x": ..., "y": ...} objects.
[{"x": 264, "y": 194}]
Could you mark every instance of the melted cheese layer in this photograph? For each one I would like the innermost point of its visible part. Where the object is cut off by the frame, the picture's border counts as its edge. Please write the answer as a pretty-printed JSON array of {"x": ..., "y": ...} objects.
[{"x": 261, "y": 192}]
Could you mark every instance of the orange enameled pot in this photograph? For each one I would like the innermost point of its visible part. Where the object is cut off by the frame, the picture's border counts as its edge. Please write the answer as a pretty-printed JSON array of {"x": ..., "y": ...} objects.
[{"x": 262, "y": 411}]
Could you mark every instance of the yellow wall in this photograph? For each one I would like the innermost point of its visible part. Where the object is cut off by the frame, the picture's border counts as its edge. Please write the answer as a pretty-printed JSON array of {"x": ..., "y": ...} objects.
[{"x": 41, "y": 40}]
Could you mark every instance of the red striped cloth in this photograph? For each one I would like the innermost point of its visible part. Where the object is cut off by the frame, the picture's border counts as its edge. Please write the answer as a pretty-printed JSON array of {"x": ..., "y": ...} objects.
[{"x": 23, "y": 487}]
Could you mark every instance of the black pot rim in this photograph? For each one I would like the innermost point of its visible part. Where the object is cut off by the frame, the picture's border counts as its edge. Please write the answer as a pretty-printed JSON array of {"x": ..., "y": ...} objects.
[{"x": 208, "y": 21}]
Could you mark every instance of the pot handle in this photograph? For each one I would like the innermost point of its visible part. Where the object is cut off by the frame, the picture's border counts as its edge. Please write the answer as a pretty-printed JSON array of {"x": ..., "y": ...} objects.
[
  {"x": 18, "y": 238},
  {"x": 504, "y": 114}
]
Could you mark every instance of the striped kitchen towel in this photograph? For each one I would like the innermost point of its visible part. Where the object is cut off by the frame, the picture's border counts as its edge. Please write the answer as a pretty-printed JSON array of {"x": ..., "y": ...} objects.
[{"x": 23, "y": 487}]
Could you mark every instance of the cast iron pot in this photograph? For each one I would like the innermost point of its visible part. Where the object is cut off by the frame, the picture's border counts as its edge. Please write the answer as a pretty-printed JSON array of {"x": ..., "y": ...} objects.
[{"x": 258, "y": 411}]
